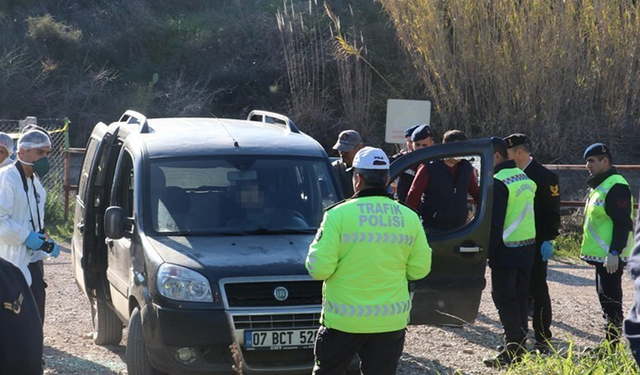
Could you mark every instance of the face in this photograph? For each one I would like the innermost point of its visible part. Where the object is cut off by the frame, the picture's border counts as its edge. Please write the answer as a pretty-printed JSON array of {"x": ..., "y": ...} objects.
[
  {"x": 4, "y": 154},
  {"x": 34, "y": 154},
  {"x": 596, "y": 166},
  {"x": 409, "y": 143},
  {"x": 347, "y": 156},
  {"x": 423, "y": 143}
]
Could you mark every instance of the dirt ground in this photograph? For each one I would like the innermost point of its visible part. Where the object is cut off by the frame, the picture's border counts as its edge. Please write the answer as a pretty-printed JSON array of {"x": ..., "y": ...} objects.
[{"x": 69, "y": 348}]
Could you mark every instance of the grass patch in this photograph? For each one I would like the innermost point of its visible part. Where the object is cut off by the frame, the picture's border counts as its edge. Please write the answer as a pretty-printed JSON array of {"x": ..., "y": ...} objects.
[
  {"x": 56, "y": 226},
  {"x": 604, "y": 359},
  {"x": 567, "y": 245}
]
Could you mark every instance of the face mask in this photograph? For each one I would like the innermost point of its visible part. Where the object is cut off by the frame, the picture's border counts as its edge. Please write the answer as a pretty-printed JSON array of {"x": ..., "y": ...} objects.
[{"x": 41, "y": 167}]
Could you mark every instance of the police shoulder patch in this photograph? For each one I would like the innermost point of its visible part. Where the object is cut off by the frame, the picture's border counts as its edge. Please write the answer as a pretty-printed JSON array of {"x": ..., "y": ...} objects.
[{"x": 555, "y": 190}]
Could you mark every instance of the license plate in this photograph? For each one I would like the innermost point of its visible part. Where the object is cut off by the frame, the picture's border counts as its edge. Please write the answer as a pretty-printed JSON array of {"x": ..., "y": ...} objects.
[{"x": 278, "y": 340}]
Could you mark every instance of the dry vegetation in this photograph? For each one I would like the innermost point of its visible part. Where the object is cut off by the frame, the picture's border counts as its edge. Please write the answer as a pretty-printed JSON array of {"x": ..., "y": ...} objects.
[{"x": 566, "y": 72}]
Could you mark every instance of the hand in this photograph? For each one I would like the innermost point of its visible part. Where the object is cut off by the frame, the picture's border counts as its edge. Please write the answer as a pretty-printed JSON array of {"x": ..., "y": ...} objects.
[
  {"x": 34, "y": 240},
  {"x": 546, "y": 250},
  {"x": 56, "y": 249},
  {"x": 611, "y": 263}
]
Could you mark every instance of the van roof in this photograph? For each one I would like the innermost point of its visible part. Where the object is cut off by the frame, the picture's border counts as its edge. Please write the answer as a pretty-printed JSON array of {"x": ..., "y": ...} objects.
[{"x": 183, "y": 136}]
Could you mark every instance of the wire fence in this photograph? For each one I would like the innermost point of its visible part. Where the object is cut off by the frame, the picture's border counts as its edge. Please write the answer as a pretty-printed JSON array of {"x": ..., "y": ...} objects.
[{"x": 58, "y": 130}]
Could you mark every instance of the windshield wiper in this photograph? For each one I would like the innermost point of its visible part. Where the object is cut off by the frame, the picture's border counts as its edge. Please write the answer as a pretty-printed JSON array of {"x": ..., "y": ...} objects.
[{"x": 276, "y": 230}]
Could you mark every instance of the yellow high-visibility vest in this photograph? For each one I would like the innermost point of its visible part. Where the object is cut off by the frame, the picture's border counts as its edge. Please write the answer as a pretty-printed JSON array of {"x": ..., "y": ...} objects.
[
  {"x": 598, "y": 226},
  {"x": 519, "y": 224},
  {"x": 365, "y": 251}
]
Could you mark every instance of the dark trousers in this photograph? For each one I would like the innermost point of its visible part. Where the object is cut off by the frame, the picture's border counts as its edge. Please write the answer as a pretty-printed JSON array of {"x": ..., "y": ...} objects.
[
  {"x": 609, "y": 288},
  {"x": 38, "y": 286},
  {"x": 539, "y": 291},
  {"x": 509, "y": 290},
  {"x": 379, "y": 352}
]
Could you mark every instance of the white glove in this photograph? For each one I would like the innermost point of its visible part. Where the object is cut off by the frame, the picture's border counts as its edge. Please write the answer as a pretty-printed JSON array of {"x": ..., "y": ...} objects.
[{"x": 611, "y": 263}]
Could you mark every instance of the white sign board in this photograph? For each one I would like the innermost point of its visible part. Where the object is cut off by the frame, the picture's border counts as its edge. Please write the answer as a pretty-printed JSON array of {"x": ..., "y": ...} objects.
[{"x": 402, "y": 114}]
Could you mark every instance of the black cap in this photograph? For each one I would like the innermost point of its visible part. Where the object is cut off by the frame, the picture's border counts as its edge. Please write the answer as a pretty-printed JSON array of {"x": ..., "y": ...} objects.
[
  {"x": 421, "y": 132},
  {"x": 596, "y": 149},
  {"x": 409, "y": 131},
  {"x": 516, "y": 139}
]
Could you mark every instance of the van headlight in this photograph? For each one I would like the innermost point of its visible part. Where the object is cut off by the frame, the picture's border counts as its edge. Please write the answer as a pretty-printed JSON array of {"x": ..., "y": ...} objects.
[{"x": 182, "y": 284}]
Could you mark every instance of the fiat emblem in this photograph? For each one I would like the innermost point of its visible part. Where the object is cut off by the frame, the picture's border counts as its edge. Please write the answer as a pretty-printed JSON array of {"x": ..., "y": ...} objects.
[{"x": 281, "y": 293}]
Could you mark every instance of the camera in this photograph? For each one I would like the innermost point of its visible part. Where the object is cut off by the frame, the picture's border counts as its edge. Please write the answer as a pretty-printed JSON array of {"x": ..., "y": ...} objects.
[{"x": 48, "y": 245}]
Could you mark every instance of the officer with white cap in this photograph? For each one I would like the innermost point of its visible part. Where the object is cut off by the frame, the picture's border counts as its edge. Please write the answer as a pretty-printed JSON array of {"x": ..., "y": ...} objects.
[{"x": 363, "y": 270}]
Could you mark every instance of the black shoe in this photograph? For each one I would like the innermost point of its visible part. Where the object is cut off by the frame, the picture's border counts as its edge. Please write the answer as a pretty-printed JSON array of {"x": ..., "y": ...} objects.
[
  {"x": 502, "y": 359},
  {"x": 542, "y": 347},
  {"x": 500, "y": 348}
]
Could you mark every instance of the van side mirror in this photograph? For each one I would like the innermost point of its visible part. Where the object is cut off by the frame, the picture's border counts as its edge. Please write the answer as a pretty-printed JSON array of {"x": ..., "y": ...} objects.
[{"x": 114, "y": 220}]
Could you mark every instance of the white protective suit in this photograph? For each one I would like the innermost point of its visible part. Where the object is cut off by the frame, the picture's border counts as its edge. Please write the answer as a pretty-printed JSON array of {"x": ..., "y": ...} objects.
[
  {"x": 15, "y": 221},
  {"x": 7, "y": 161}
]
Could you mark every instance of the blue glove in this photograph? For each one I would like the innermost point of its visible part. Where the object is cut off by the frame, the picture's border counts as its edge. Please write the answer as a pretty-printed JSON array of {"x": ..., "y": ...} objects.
[
  {"x": 34, "y": 240},
  {"x": 56, "y": 249},
  {"x": 546, "y": 250}
]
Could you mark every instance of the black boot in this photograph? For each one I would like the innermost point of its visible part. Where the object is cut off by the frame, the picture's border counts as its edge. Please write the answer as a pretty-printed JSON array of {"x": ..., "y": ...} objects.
[{"x": 512, "y": 354}]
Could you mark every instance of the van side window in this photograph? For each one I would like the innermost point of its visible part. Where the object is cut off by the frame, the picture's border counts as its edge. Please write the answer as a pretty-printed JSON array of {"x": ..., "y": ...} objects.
[
  {"x": 86, "y": 168},
  {"x": 123, "y": 186}
]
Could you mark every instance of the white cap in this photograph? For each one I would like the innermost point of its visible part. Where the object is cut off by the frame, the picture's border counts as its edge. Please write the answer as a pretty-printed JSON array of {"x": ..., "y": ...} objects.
[
  {"x": 371, "y": 158},
  {"x": 33, "y": 139}
]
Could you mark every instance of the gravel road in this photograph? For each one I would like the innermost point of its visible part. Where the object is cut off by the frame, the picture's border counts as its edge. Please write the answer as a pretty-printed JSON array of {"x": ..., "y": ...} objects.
[{"x": 69, "y": 349}]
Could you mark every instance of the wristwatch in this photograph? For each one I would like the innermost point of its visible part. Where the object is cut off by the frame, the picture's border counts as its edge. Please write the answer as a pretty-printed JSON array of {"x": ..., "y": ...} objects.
[{"x": 614, "y": 252}]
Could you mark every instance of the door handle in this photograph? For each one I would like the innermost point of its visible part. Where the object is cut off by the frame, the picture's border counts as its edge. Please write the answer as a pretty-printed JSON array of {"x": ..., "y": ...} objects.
[{"x": 468, "y": 249}]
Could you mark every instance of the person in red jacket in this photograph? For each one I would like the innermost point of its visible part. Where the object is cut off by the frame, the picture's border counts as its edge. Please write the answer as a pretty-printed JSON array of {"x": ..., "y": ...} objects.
[{"x": 439, "y": 190}]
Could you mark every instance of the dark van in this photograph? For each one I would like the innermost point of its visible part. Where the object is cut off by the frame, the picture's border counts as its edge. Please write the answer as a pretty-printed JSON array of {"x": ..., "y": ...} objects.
[{"x": 193, "y": 232}]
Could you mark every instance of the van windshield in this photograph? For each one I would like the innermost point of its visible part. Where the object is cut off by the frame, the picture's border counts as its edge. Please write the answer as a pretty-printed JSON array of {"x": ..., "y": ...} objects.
[{"x": 238, "y": 195}]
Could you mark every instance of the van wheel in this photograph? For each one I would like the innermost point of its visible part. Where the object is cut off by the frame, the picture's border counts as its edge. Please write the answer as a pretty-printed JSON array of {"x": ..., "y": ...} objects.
[
  {"x": 107, "y": 327},
  {"x": 136, "y": 354}
]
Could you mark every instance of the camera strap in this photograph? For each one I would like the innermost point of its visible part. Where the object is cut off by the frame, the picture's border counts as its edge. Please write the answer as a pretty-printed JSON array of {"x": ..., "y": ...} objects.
[{"x": 23, "y": 177}]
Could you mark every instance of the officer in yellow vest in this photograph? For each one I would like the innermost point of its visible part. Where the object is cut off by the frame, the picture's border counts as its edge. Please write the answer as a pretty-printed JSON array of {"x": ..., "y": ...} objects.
[
  {"x": 607, "y": 238},
  {"x": 366, "y": 250},
  {"x": 511, "y": 252}
]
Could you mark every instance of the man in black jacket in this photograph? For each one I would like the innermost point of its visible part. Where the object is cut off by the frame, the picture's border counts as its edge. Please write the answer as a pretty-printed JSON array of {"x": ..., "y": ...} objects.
[
  {"x": 348, "y": 144},
  {"x": 547, "y": 218},
  {"x": 511, "y": 249},
  {"x": 607, "y": 239}
]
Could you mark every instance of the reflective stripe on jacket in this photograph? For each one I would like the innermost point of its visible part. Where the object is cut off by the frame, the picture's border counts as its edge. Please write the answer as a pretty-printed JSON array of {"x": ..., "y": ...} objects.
[
  {"x": 366, "y": 249},
  {"x": 519, "y": 224},
  {"x": 598, "y": 226}
]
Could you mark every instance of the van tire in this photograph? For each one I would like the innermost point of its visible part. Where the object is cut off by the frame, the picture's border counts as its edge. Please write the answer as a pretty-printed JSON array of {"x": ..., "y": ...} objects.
[
  {"x": 136, "y": 354},
  {"x": 107, "y": 327}
]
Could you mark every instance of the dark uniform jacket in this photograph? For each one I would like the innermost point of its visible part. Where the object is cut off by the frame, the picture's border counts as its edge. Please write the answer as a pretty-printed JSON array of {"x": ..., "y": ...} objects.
[
  {"x": 20, "y": 325},
  {"x": 546, "y": 204},
  {"x": 344, "y": 176},
  {"x": 618, "y": 206},
  {"x": 499, "y": 254},
  {"x": 405, "y": 179}
]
